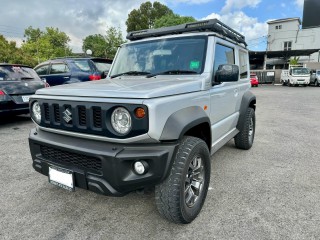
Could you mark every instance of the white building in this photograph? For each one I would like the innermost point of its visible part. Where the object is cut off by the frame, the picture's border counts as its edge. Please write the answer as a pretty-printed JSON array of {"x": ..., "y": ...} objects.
[{"x": 287, "y": 34}]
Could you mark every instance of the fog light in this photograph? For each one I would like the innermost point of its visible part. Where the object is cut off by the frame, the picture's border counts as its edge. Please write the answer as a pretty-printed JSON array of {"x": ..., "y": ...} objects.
[{"x": 140, "y": 167}]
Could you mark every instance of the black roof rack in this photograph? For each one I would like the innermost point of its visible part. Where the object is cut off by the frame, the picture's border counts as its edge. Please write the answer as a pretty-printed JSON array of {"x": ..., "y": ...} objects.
[{"x": 213, "y": 25}]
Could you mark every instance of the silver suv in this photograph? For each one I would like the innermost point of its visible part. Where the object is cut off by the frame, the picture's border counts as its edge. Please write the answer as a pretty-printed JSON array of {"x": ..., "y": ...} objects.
[{"x": 172, "y": 98}]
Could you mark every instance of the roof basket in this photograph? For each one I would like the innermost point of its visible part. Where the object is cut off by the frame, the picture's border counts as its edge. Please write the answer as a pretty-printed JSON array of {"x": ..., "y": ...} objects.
[{"x": 211, "y": 25}]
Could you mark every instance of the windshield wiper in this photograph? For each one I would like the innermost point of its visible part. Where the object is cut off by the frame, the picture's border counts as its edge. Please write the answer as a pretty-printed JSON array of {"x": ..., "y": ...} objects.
[
  {"x": 130, "y": 73},
  {"x": 26, "y": 78},
  {"x": 171, "y": 72}
]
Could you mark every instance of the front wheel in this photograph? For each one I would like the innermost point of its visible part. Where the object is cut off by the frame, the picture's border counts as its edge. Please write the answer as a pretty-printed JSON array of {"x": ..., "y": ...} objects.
[
  {"x": 316, "y": 83},
  {"x": 181, "y": 196},
  {"x": 244, "y": 139}
]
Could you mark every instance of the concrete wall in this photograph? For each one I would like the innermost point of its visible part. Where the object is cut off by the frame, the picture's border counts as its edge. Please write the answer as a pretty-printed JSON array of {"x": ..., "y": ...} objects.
[{"x": 300, "y": 38}]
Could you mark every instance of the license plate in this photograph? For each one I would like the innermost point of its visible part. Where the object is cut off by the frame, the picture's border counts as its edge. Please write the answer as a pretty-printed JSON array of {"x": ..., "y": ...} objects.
[
  {"x": 25, "y": 98},
  {"x": 61, "y": 177}
]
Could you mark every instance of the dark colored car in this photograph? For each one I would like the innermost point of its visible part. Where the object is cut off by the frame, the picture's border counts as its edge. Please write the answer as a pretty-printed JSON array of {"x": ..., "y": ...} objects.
[
  {"x": 71, "y": 70},
  {"x": 17, "y": 84},
  {"x": 254, "y": 80}
]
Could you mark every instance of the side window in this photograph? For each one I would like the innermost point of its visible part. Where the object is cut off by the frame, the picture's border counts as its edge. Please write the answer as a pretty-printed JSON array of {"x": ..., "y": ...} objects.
[
  {"x": 42, "y": 70},
  {"x": 59, "y": 68},
  {"x": 243, "y": 62},
  {"x": 222, "y": 55}
]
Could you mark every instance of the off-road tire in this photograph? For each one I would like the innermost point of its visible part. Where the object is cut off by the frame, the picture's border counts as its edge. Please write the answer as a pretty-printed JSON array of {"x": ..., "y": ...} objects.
[
  {"x": 170, "y": 195},
  {"x": 244, "y": 139}
]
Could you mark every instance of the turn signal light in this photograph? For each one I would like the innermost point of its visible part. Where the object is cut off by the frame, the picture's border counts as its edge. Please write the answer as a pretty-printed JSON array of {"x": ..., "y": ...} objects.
[
  {"x": 140, "y": 112},
  {"x": 2, "y": 93}
]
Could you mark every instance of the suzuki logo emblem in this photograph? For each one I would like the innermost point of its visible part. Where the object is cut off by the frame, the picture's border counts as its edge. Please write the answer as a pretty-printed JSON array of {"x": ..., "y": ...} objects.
[{"x": 67, "y": 115}]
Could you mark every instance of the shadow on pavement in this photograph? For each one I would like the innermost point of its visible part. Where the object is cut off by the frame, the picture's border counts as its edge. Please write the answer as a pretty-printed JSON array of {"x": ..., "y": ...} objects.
[{"x": 9, "y": 120}]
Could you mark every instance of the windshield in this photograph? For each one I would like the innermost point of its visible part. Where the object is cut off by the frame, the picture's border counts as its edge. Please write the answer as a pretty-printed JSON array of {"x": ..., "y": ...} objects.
[
  {"x": 157, "y": 56},
  {"x": 17, "y": 73},
  {"x": 300, "y": 71},
  {"x": 318, "y": 72}
]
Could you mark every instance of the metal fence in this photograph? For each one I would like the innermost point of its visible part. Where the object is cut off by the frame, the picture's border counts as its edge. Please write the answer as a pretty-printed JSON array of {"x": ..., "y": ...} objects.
[{"x": 265, "y": 76}]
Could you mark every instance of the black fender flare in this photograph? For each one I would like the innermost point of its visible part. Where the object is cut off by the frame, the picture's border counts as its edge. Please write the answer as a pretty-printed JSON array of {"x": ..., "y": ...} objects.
[
  {"x": 248, "y": 100},
  {"x": 183, "y": 120}
]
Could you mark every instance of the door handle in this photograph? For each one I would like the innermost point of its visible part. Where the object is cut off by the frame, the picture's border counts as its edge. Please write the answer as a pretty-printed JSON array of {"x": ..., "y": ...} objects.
[{"x": 66, "y": 77}]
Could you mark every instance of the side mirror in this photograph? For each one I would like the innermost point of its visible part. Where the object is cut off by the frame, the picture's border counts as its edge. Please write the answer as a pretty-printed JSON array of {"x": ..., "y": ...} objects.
[{"x": 227, "y": 73}]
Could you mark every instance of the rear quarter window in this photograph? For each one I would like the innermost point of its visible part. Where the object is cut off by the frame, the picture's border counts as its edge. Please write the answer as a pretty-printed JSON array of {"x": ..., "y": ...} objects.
[
  {"x": 82, "y": 65},
  {"x": 59, "y": 68}
]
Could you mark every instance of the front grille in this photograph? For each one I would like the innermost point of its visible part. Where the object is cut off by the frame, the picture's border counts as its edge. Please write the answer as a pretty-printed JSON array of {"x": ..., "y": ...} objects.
[
  {"x": 88, "y": 118},
  {"x": 72, "y": 159}
]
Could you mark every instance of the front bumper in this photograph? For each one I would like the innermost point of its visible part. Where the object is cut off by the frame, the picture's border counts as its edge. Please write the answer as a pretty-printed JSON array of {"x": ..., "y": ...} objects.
[{"x": 101, "y": 167}]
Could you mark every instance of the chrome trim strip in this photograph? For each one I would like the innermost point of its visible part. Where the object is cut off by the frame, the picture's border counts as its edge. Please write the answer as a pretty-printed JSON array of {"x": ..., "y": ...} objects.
[
  {"x": 223, "y": 140},
  {"x": 142, "y": 138}
]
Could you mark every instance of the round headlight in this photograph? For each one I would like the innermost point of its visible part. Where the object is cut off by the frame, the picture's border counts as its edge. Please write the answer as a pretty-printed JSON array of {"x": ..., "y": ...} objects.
[
  {"x": 121, "y": 120},
  {"x": 36, "y": 112}
]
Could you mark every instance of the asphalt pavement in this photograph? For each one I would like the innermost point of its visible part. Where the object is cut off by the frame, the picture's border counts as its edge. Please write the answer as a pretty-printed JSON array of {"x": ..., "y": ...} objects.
[{"x": 271, "y": 191}]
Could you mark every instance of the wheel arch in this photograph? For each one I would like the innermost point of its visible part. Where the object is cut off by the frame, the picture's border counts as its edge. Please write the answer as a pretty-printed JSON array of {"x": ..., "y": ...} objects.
[
  {"x": 248, "y": 100},
  {"x": 190, "y": 121}
]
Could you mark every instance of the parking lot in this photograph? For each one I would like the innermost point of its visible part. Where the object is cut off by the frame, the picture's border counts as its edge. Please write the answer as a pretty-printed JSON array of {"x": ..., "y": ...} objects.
[{"x": 269, "y": 192}]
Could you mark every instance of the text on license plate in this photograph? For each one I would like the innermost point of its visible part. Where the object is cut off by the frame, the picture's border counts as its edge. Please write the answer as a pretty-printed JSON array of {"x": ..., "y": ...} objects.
[
  {"x": 61, "y": 178},
  {"x": 25, "y": 98}
]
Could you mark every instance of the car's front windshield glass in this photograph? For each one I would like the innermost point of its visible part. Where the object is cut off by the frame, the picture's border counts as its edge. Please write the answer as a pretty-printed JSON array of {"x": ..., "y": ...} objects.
[
  {"x": 318, "y": 72},
  {"x": 158, "y": 56},
  {"x": 300, "y": 71},
  {"x": 17, "y": 73}
]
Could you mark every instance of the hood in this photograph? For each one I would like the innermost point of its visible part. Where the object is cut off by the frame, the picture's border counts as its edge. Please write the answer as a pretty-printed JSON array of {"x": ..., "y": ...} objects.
[{"x": 128, "y": 87}]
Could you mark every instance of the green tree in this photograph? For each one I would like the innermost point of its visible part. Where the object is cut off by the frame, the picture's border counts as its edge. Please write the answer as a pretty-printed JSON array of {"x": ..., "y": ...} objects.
[
  {"x": 146, "y": 15},
  {"x": 9, "y": 53},
  {"x": 104, "y": 46},
  {"x": 44, "y": 45},
  {"x": 96, "y": 43},
  {"x": 171, "y": 20}
]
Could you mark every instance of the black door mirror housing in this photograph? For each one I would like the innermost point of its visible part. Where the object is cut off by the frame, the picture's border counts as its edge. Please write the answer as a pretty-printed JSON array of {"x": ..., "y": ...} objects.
[{"x": 227, "y": 73}]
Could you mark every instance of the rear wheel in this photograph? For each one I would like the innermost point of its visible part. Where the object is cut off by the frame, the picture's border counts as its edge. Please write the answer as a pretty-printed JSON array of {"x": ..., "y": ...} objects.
[
  {"x": 181, "y": 196},
  {"x": 244, "y": 139}
]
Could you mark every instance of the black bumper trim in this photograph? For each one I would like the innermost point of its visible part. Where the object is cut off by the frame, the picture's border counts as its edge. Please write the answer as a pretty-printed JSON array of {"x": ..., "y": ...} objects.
[{"x": 117, "y": 176}]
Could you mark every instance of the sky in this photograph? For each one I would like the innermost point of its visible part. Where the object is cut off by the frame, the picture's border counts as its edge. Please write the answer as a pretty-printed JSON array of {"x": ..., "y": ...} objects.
[{"x": 80, "y": 18}]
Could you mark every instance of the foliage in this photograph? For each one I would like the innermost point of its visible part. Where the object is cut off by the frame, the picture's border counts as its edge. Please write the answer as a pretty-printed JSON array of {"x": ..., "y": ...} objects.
[
  {"x": 9, "y": 53},
  {"x": 171, "y": 20},
  {"x": 146, "y": 15},
  {"x": 44, "y": 45},
  {"x": 96, "y": 43},
  {"x": 104, "y": 46},
  {"x": 294, "y": 61}
]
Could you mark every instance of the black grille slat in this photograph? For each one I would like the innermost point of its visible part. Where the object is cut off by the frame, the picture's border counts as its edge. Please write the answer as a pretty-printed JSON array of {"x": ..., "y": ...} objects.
[
  {"x": 56, "y": 111},
  {"x": 46, "y": 112},
  {"x": 82, "y": 114},
  {"x": 69, "y": 158},
  {"x": 97, "y": 117}
]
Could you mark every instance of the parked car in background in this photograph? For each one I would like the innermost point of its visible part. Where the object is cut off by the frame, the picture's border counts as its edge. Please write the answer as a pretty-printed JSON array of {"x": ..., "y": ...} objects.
[
  {"x": 315, "y": 77},
  {"x": 254, "y": 80},
  {"x": 71, "y": 70},
  {"x": 17, "y": 84}
]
